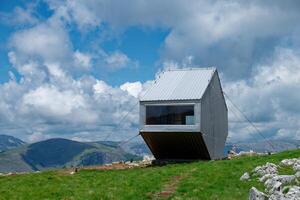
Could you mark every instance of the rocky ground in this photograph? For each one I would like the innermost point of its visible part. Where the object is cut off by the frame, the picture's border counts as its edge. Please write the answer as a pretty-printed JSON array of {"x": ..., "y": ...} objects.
[{"x": 277, "y": 186}]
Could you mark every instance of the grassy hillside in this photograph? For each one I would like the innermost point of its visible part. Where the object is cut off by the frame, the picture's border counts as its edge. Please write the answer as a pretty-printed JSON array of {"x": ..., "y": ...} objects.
[
  {"x": 12, "y": 161},
  {"x": 53, "y": 152},
  {"x": 198, "y": 180}
]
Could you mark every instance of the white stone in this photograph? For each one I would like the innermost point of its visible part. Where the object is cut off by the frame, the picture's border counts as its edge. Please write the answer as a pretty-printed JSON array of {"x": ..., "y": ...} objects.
[
  {"x": 255, "y": 194},
  {"x": 268, "y": 168},
  {"x": 296, "y": 167},
  {"x": 288, "y": 162},
  {"x": 148, "y": 158},
  {"x": 285, "y": 178},
  {"x": 245, "y": 176},
  {"x": 277, "y": 196},
  {"x": 274, "y": 184},
  {"x": 293, "y": 193},
  {"x": 276, "y": 187},
  {"x": 297, "y": 174},
  {"x": 266, "y": 177}
]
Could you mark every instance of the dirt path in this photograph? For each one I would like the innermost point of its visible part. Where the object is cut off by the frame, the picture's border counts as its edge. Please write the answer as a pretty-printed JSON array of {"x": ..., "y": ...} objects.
[{"x": 170, "y": 187}]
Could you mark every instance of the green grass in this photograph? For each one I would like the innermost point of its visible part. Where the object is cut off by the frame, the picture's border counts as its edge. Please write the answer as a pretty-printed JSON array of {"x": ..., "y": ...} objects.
[{"x": 203, "y": 180}]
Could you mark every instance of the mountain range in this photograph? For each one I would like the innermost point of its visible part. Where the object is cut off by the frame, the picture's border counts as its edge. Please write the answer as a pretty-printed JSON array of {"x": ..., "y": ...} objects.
[
  {"x": 59, "y": 153},
  {"x": 18, "y": 156}
]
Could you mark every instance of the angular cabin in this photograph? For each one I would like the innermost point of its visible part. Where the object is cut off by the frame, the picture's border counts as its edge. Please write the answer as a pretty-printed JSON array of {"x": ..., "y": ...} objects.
[{"x": 183, "y": 115}]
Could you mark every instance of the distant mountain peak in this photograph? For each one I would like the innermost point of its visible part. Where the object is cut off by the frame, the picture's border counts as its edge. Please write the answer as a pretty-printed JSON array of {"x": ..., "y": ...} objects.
[{"x": 9, "y": 142}]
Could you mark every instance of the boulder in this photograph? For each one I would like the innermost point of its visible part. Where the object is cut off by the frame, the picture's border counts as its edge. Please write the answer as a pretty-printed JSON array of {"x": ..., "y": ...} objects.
[
  {"x": 290, "y": 162},
  {"x": 297, "y": 174},
  {"x": 296, "y": 167},
  {"x": 268, "y": 168},
  {"x": 255, "y": 194},
  {"x": 275, "y": 183},
  {"x": 277, "y": 196},
  {"x": 266, "y": 177},
  {"x": 245, "y": 176},
  {"x": 293, "y": 193},
  {"x": 275, "y": 187}
]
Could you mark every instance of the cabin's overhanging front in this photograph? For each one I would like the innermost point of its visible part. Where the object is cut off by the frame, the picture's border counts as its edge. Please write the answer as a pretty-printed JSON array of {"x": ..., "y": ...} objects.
[{"x": 171, "y": 129}]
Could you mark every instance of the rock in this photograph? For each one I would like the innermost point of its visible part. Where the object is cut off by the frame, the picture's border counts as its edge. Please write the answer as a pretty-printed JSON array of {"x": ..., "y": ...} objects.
[
  {"x": 279, "y": 187},
  {"x": 297, "y": 174},
  {"x": 245, "y": 176},
  {"x": 275, "y": 183},
  {"x": 72, "y": 172},
  {"x": 288, "y": 162},
  {"x": 277, "y": 196},
  {"x": 266, "y": 177},
  {"x": 276, "y": 187},
  {"x": 268, "y": 168},
  {"x": 293, "y": 193},
  {"x": 296, "y": 167},
  {"x": 285, "y": 179},
  {"x": 255, "y": 194}
]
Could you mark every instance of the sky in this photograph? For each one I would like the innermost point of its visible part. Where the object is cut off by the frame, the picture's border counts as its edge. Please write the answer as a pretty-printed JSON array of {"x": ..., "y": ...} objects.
[{"x": 75, "y": 69}]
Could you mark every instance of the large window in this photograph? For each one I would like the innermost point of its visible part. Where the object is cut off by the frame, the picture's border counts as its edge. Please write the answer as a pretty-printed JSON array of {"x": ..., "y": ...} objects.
[{"x": 170, "y": 115}]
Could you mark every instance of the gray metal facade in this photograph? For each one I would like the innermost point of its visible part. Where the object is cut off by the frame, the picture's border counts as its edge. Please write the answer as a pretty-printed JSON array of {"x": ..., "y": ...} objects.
[
  {"x": 206, "y": 138},
  {"x": 214, "y": 119}
]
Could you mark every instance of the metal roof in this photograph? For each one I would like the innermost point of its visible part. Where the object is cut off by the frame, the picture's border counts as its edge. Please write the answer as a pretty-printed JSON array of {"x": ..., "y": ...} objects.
[{"x": 180, "y": 84}]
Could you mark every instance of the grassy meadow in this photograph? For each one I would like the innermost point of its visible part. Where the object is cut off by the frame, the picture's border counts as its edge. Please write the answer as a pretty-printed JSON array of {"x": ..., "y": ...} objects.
[{"x": 198, "y": 180}]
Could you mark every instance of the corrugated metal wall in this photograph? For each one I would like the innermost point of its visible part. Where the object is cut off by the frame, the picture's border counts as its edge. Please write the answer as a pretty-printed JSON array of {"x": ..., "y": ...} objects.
[{"x": 214, "y": 119}]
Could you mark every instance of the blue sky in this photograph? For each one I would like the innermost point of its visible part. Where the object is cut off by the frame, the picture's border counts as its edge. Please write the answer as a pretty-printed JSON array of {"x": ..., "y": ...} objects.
[{"x": 73, "y": 68}]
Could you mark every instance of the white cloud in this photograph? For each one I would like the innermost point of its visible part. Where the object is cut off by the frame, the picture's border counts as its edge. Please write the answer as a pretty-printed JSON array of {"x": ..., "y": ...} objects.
[
  {"x": 117, "y": 60},
  {"x": 82, "y": 60},
  {"x": 49, "y": 101},
  {"x": 269, "y": 98},
  {"x": 233, "y": 35},
  {"x": 37, "y": 136},
  {"x": 55, "y": 70},
  {"x": 47, "y": 41},
  {"x": 19, "y": 16},
  {"x": 101, "y": 87},
  {"x": 133, "y": 89},
  {"x": 67, "y": 110}
]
